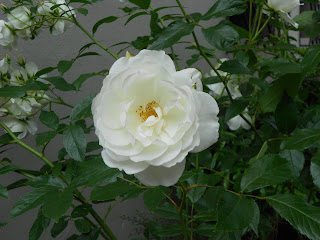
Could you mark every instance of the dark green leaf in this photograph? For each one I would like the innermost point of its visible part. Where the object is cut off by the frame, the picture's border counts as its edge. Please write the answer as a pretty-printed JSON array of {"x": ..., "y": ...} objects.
[
  {"x": 56, "y": 203},
  {"x": 301, "y": 215},
  {"x": 212, "y": 197},
  {"x": 83, "y": 11},
  {"x": 88, "y": 54},
  {"x": 12, "y": 92},
  {"x": 222, "y": 36},
  {"x": 291, "y": 82},
  {"x": 110, "y": 191},
  {"x": 64, "y": 66},
  {"x": 50, "y": 119},
  {"x": 195, "y": 193},
  {"x": 205, "y": 229},
  {"x": 144, "y": 4},
  {"x": 8, "y": 168},
  {"x": 82, "y": 225},
  {"x": 17, "y": 184},
  {"x": 81, "y": 211},
  {"x": 44, "y": 138},
  {"x": 92, "y": 146},
  {"x": 265, "y": 171},
  {"x": 81, "y": 79},
  {"x": 233, "y": 67},
  {"x": 2, "y": 224},
  {"x": 74, "y": 142},
  {"x": 134, "y": 16},
  {"x": 225, "y": 8},
  {"x": 60, "y": 83},
  {"x": 311, "y": 59},
  {"x": 166, "y": 210},
  {"x": 153, "y": 197},
  {"x": 3, "y": 192},
  {"x": 296, "y": 161},
  {"x": 235, "y": 109},
  {"x": 261, "y": 153},
  {"x": 207, "y": 216},
  {"x": 5, "y": 138},
  {"x": 45, "y": 71},
  {"x": 304, "y": 18},
  {"x": 45, "y": 181},
  {"x": 303, "y": 138},
  {"x": 269, "y": 101},
  {"x": 154, "y": 27},
  {"x": 286, "y": 115},
  {"x": 172, "y": 34},
  {"x": 39, "y": 225},
  {"x": 234, "y": 213},
  {"x": 58, "y": 227},
  {"x": 315, "y": 169},
  {"x": 256, "y": 218},
  {"x": 102, "y": 21},
  {"x": 82, "y": 109},
  {"x": 92, "y": 235}
]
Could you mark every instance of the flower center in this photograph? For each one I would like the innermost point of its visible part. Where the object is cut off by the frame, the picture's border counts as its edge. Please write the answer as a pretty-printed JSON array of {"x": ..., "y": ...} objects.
[{"x": 147, "y": 111}]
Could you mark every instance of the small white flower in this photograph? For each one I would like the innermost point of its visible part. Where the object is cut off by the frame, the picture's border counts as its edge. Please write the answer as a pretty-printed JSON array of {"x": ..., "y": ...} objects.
[
  {"x": 148, "y": 117},
  {"x": 4, "y": 66},
  {"x": 22, "y": 126},
  {"x": 21, "y": 76},
  {"x": 57, "y": 26},
  {"x": 20, "y": 18},
  {"x": 238, "y": 122},
  {"x": 7, "y": 38},
  {"x": 284, "y": 7}
]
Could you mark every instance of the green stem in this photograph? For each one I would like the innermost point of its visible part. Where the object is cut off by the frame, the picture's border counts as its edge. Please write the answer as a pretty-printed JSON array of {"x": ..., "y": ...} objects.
[
  {"x": 197, "y": 160},
  {"x": 94, "y": 40},
  {"x": 250, "y": 20},
  {"x": 22, "y": 144},
  {"x": 263, "y": 26},
  {"x": 183, "y": 226}
]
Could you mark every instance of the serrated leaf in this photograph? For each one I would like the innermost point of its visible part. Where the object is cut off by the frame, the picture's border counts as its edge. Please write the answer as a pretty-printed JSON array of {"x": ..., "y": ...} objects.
[
  {"x": 8, "y": 168},
  {"x": 296, "y": 161},
  {"x": 45, "y": 137},
  {"x": 50, "y": 119},
  {"x": 301, "y": 215},
  {"x": 102, "y": 21},
  {"x": 3, "y": 192},
  {"x": 222, "y": 36},
  {"x": 268, "y": 170},
  {"x": 110, "y": 191},
  {"x": 195, "y": 193},
  {"x": 82, "y": 109},
  {"x": 172, "y": 34},
  {"x": 45, "y": 181},
  {"x": 144, "y": 4},
  {"x": 75, "y": 142},
  {"x": 302, "y": 139},
  {"x": 81, "y": 79},
  {"x": 234, "y": 213},
  {"x": 205, "y": 229},
  {"x": 225, "y": 8},
  {"x": 64, "y": 66},
  {"x": 56, "y": 203},
  {"x": 58, "y": 227},
  {"x": 166, "y": 210},
  {"x": 315, "y": 169},
  {"x": 82, "y": 225},
  {"x": 235, "y": 109}
]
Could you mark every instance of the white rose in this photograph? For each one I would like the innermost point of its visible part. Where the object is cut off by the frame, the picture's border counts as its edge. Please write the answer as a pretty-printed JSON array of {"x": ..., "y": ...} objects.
[
  {"x": 7, "y": 38},
  {"x": 148, "y": 117},
  {"x": 20, "y": 77},
  {"x": 20, "y": 108},
  {"x": 57, "y": 26},
  {"x": 4, "y": 66},
  {"x": 23, "y": 126},
  {"x": 20, "y": 18},
  {"x": 284, "y": 7},
  {"x": 238, "y": 122}
]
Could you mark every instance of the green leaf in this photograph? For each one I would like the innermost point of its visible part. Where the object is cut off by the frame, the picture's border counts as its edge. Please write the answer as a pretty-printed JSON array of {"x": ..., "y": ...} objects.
[
  {"x": 235, "y": 109},
  {"x": 311, "y": 59},
  {"x": 45, "y": 137},
  {"x": 102, "y": 21},
  {"x": 56, "y": 203},
  {"x": 40, "y": 224},
  {"x": 269, "y": 101},
  {"x": 110, "y": 191},
  {"x": 92, "y": 146},
  {"x": 222, "y": 36},
  {"x": 144, "y": 4},
  {"x": 81, "y": 79},
  {"x": 304, "y": 18},
  {"x": 45, "y": 181},
  {"x": 60, "y": 83},
  {"x": 2, "y": 224},
  {"x": 133, "y": 16},
  {"x": 83, "y": 11},
  {"x": 153, "y": 197},
  {"x": 205, "y": 229},
  {"x": 225, "y": 8},
  {"x": 58, "y": 227},
  {"x": 29, "y": 201},
  {"x": 17, "y": 184},
  {"x": 261, "y": 153},
  {"x": 212, "y": 197},
  {"x": 172, "y": 34},
  {"x": 81, "y": 211},
  {"x": 64, "y": 66},
  {"x": 256, "y": 218},
  {"x": 268, "y": 170},
  {"x": 195, "y": 193},
  {"x": 234, "y": 213},
  {"x": 50, "y": 119},
  {"x": 45, "y": 71},
  {"x": 74, "y": 142},
  {"x": 233, "y": 67},
  {"x": 12, "y": 92},
  {"x": 303, "y": 138},
  {"x": 8, "y": 168},
  {"x": 82, "y": 225},
  {"x": 291, "y": 82},
  {"x": 207, "y": 216},
  {"x": 6, "y": 138},
  {"x": 296, "y": 161},
  {"x": 82, "y": 109},
  {"x": 167, "y": 210},
  {"x": 3, "y": 192},
  {"x": 286, "y": 115},
  {"x": 94, "y": 171},
  {"x": 315, "y": 169},
  {"x": 301, "y": 215}
]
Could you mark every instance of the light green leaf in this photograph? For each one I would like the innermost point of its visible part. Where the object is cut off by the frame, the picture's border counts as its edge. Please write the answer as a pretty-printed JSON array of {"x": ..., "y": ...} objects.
[
  {"x": 56, "y": 203},
  {"x": 315, "y": 169},
  {"x": 82, "y": 109},
  {"x": 296, "y": 161},
  {"x": 74, "y": 142},
  {"x": 225, "y": 8},
  {"x": 303, "y": 138},
  {"x": 110, "y": 191},
  {"x": 235, "y": 109},
  {"x": 58, "y": 227},
  {"x": 50, "y": 119},
  {"x": 301, "y": 215},
  {"x": 82, "y": 225},
  {"x": 3, "y": 192},
  {"x": 102, "y": 21},
  {"x": 172, "y": 34},
  {"x": 269, "y": 170}
]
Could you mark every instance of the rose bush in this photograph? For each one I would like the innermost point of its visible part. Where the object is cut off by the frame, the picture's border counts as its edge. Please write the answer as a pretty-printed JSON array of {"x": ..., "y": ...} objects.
[{"x": 148, "y": 117}]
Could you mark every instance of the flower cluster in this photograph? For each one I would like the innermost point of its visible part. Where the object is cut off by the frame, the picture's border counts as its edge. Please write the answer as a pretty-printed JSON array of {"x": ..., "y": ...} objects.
[
  {"x": 55, "y": 14},
  {"x": 17, "y": 113},
  {"x": 218, "y": 90},
  {"x": 148, "y": 117}
]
